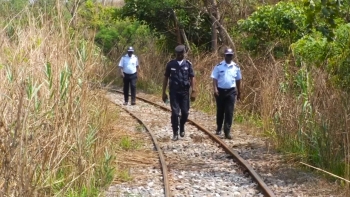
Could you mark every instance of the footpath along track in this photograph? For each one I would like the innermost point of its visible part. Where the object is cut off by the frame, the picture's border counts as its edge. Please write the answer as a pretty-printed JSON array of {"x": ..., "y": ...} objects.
[{"x": 200, "y": 164}]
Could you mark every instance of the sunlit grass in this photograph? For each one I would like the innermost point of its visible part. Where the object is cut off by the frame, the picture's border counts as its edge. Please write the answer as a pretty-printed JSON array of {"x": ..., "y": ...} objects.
[
  {"x": 51, "y": 125},
  {"x": 127, "y": 143}
]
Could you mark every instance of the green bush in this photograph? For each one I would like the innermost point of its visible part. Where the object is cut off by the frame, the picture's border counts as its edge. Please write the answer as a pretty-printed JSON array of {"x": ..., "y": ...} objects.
[
  {"x": 315, "y": 49},
  {"x": 283, "y": 22}
]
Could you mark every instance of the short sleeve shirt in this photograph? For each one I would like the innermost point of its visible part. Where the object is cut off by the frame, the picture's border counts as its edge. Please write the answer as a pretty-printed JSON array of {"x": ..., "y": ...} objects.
[
  {"x": 129, "y": 64},
  {"x": 179, "y": 74},
  {"x": 184, "y": 64},
  {"x": 226, "y": 74}
]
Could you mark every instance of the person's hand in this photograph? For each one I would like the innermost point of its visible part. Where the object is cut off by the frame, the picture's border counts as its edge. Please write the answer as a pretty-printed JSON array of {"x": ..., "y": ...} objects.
[
  {"x": 165, "y": 97},
  {"x": 122, "y": 74},
  {"x": 193, "y": 95},
  {"x": 216, "y": 92},
  {"x": 238, "y": 96}
]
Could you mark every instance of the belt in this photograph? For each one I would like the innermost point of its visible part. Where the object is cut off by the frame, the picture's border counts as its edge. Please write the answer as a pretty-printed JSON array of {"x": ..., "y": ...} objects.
[
  {"x": 226, "y": 90},
  {"x": 129, "y": 74}
]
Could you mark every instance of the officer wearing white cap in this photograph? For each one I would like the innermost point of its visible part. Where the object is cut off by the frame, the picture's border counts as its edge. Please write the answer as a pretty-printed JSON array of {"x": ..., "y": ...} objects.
[
  {"x": 227, "y": 85},
  {"x": 129, "y": 65},
  {"x": 180, "y": 75}
]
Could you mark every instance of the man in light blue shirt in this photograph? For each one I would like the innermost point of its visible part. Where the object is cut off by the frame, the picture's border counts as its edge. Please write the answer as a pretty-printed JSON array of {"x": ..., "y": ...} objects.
[
  {"x": 227, "y": 85},
  {"x": 129, "y": 65}
]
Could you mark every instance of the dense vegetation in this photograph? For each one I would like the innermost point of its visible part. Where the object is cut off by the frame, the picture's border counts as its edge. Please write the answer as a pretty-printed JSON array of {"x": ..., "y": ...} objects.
[{"x": 294, "y": 56}]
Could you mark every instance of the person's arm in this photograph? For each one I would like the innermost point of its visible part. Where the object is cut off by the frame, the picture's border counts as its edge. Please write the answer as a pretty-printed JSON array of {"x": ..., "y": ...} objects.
[
  {"x": 137, "y": 65},
  {"x": 215, "y": 87},
  {"x": 238, "y": 84},
  {"x": 194, "y": 91},
  {"x": 165, "y": 83},
  {"x": 192, "y": 82},
  {"x": 121, "y": 67},
  {"x": 214, "y": 76}
]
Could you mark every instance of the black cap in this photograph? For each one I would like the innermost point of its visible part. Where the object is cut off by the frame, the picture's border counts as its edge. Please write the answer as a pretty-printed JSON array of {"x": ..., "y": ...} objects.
[
  {"x": 180, "y": 49},
  {"x": 229, "y": 51}
]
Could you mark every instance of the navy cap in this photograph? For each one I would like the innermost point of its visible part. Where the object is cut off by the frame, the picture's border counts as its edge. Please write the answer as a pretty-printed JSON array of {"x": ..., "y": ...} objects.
[
  {"x": 229, "y": 51},
  {"x": 180, "y": 49},
  {"x": 131, "y": 49}
]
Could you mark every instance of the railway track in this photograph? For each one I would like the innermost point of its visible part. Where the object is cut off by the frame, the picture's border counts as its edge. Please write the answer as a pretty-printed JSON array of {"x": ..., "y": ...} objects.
[{"x": 190, "y": 165}]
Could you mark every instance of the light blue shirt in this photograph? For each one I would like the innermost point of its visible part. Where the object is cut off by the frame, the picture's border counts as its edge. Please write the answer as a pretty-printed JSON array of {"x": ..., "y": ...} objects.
[
  {"x": 226, "y": 74},
  {"x": 129, "y": 64}
]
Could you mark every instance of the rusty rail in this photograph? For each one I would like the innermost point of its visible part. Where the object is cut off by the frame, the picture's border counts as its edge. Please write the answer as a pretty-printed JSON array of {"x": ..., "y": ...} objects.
[
  {"x": 160, "y": 153},
  {"x": 262, "y": 185}
]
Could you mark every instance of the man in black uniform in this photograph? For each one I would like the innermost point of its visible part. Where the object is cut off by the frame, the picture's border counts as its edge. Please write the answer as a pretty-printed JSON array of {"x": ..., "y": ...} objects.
[{"x": 179, "y": 72}]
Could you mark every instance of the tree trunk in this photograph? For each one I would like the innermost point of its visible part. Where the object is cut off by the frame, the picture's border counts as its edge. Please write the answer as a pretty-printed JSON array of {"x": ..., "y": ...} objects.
[
  {"x": 227, "y": 36},
  {"x": 214, "y": 34},
  {"x": 221, "y": 32},
  {"x": 185, "y": 39},
  {"x": 180, "y": 33},
  {"x": 177, "y": 28}
]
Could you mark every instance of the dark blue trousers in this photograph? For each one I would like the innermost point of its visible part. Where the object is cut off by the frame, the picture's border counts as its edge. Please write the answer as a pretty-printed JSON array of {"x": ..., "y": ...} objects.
[
  {"x": 225, "y": 103},
  {"x": 129, "y": 80},
  {"x": 179, "y": 102}
]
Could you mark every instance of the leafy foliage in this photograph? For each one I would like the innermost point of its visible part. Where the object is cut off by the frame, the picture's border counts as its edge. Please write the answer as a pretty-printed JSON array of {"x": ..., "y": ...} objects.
[
  {"x": 121, "y": 34},
  {"x": 339, "y": 60},
  {"x": 315, "y": 49},
  {"x": 113, "y": 32},
  {"x": 311, "y": 49},
  {"x": 160, "y": 16},
  {"x": 282, "y": 22},
  {"x": 325, "y": 15}
]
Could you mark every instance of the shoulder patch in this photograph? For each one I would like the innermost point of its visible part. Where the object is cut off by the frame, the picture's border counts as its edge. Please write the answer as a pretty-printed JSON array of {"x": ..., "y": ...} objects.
[
  {"x": 188, "y": 61},
  {"x": 170, "y": 62},
  {"x": 219, "y": 64}
]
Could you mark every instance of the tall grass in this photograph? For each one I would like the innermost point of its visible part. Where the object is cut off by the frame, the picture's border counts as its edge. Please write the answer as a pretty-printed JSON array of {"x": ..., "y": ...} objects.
[
  {"x": 50, "y": 123},
  {"x": 306, "y": 116}
]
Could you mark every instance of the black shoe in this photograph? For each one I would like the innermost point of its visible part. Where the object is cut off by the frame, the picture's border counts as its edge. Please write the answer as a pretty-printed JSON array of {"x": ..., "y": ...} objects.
[
  {"x": 175, "y": 137},
  {"x": 218, "y": 132},
  {"x": 228, "y": 136},
  {"x": 133, "y": 103},
  {"x": 125, "y": 103},
  {"x": 182, "y": 131}
]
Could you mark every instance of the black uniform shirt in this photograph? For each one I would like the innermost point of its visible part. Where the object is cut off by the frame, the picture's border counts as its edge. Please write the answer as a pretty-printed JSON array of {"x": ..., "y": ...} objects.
[{"x": 179, "y": 75}]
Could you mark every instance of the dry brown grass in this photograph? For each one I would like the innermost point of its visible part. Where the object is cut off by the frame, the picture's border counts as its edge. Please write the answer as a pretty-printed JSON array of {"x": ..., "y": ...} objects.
[{"x": 51, "y": 123}]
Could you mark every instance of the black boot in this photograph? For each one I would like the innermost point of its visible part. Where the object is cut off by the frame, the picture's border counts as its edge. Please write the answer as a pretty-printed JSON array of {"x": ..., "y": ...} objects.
[
  {"x": 175, "y": 136},
  {"x": 228, "y": 135},
  {"x": 218, "y": 130},
  {"x": 182, "y": 130}
]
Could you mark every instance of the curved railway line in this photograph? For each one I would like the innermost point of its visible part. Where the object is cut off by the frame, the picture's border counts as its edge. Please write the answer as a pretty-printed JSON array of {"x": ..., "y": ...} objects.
[{"x": 168, "y": 158}]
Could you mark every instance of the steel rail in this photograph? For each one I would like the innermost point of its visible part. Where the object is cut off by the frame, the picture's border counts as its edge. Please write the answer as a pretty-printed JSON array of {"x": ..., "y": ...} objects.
[
  {"x": 164, "y": 167},
  {"x": 265, "y": 189}
]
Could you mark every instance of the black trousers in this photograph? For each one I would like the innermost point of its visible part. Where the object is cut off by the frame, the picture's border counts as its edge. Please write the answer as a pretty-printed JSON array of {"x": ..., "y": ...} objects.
[
  {"x": 179, "y": 101},
  {"x": 129, "y": 80},
  {"x": 225, "y": 103}
]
